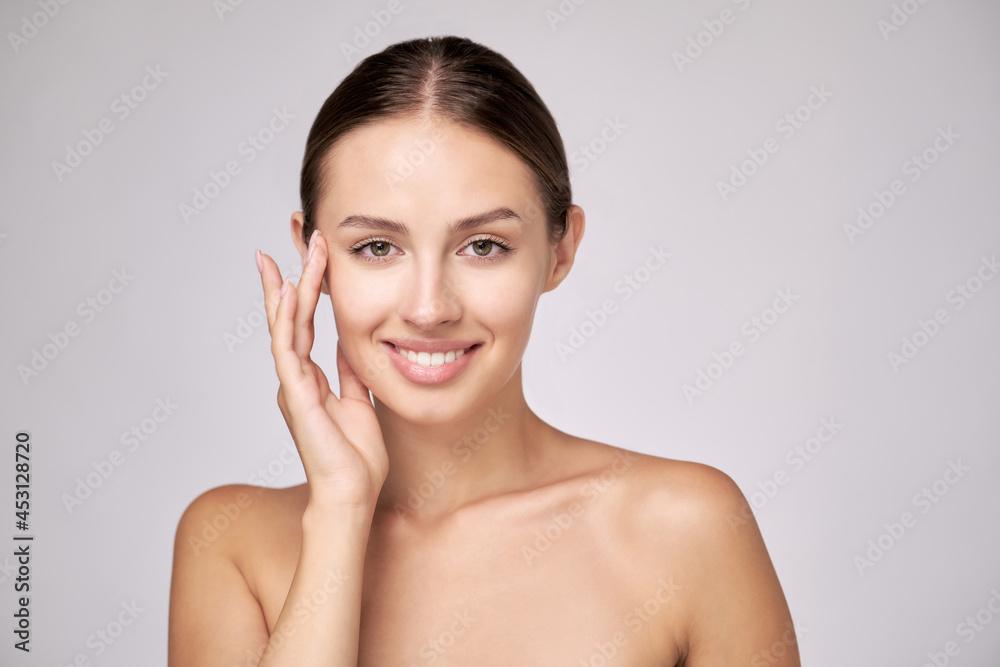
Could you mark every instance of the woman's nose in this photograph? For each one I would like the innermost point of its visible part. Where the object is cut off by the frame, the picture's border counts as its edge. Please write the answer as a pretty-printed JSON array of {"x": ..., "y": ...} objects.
[{"x": 431, "y": 299}]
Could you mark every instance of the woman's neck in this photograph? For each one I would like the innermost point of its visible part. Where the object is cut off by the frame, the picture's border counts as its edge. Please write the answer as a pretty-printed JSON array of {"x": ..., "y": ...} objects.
[{"x": 435, "y": 469}]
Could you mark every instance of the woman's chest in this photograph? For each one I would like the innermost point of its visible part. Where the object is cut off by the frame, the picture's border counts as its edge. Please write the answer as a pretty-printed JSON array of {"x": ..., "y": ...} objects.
[
  {"x": 515, "y": 625},
  {"x": 527, "y": 594},
  {"x": 527, "y": 588}
]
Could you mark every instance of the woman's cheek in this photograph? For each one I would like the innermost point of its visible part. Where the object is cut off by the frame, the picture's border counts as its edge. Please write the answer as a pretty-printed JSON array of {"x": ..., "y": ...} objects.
[
  {"x": 345, "y": 296},
  {"x": 510, "y": 304}
]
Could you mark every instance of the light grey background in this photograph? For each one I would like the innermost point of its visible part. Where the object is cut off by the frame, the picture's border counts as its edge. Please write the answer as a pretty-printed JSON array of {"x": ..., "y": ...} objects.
[{"x": 655, "y": 183}]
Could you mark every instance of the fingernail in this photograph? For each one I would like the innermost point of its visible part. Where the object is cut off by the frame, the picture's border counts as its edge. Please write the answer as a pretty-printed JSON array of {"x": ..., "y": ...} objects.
[
  {"x": 260, "y": 263},
  {"x": 312, "y": 244},
  {"x": 284, "y": 287}
]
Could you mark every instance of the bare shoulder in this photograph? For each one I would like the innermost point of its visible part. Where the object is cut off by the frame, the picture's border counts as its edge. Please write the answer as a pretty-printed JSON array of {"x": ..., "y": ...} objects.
[
  {"x": 221, "y": 540},
  {"x": 248, "y": 531},
  {"x": 699, "y": 516},
  {"x": 682, "y": 493},
  {"x": 690, "y": 510},
  {"x": 241, "y": 506},
  {"x": 691, "y": 524},
  {"x": 230, "y": 520},
  {"x": 693, "y": 498}
]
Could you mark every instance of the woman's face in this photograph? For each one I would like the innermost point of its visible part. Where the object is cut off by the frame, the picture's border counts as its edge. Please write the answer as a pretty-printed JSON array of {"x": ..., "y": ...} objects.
[{"x": 437, "y": 242}]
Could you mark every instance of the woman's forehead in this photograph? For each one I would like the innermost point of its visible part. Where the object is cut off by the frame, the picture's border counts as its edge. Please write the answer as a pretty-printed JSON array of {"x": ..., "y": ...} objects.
[{"x": 413, "y": 165}]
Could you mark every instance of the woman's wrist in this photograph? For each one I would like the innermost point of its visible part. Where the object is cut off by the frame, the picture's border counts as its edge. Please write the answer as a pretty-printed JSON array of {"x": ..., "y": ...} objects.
[{"x": 331, "y": 515}]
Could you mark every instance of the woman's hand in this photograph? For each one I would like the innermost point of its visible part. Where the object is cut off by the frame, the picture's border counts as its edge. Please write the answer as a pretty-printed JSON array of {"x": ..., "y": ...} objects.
[{"x": 339, "y": 439}]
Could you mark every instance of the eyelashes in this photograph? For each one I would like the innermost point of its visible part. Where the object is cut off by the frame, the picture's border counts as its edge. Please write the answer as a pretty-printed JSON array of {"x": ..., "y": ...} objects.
[
  {"x": 358, "y": 249},
  {"x": 369, "y": 243},
  {"x": 492, "y": 241}
]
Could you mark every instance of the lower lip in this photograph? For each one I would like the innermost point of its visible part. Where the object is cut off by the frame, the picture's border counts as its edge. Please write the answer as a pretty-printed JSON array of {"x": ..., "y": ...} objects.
[{"x": 428, "y": 374}]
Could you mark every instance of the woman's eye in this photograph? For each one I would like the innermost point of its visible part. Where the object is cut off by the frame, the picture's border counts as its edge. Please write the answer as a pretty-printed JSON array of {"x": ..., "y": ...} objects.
[
  {"x": 482, "y": 247},
  {"x": 487, "y": 248},
  {"x": 379, "y": 248},
  {"x": 373, "y": 249}
]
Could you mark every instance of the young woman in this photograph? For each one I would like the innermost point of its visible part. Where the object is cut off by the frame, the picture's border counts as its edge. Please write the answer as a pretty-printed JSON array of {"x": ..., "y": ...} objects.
[{"x": 443, "y": 522}]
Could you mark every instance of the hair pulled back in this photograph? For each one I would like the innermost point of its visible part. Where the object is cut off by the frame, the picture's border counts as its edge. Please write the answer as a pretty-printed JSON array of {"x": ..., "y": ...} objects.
[{"x": 455, "y": 79}]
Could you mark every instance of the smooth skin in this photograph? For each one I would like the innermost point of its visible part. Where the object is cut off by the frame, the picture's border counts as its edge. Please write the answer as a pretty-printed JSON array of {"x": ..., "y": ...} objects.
[{"x": 448, "y": 524}]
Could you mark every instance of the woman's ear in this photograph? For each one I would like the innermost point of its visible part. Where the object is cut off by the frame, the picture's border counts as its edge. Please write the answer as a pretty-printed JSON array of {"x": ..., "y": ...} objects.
[
  {"x": 298, "y": 221},
  {"x": 564, "y": 253}
]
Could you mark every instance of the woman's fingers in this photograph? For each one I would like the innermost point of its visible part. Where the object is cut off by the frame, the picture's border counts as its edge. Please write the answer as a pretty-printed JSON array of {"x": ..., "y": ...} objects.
[
  {"x": 286, "y": 361},
  {"x": 308, "y": 294},
  {"x": 340, "y": 442},
  {"x": 270, "y": 278},
  {"x": 290, "y": 311},
  {"x": 280, "y": 305},
  {"x": 351, "y": 385}
]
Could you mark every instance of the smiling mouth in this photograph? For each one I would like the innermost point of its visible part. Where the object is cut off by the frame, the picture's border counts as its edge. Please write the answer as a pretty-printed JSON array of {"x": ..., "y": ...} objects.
[{"x": 429, "y": 359}]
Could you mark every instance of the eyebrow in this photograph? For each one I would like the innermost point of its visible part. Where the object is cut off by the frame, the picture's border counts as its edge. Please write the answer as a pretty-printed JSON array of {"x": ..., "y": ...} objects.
[{"x": 462, "y": 225}]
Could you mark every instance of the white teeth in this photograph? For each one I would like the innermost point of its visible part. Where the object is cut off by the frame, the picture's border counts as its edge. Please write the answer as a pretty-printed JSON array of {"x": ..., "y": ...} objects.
[{"x": 430, "y": 358}]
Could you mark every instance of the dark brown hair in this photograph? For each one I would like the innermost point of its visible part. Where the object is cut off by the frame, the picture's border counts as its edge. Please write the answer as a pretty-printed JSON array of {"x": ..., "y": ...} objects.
[{"x": 455, "y": 79}]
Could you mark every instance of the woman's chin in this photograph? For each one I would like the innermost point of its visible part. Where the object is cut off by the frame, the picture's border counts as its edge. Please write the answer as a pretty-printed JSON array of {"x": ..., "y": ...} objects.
[{"x": 420, "y": 414}]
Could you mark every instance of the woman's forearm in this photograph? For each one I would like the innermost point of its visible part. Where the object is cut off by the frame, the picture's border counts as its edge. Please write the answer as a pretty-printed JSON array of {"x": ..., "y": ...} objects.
[{"x": 320, "y": 621}]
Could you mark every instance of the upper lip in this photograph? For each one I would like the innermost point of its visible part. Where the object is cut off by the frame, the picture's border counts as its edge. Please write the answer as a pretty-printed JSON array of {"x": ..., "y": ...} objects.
[{"x": 431, "y": 346}]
